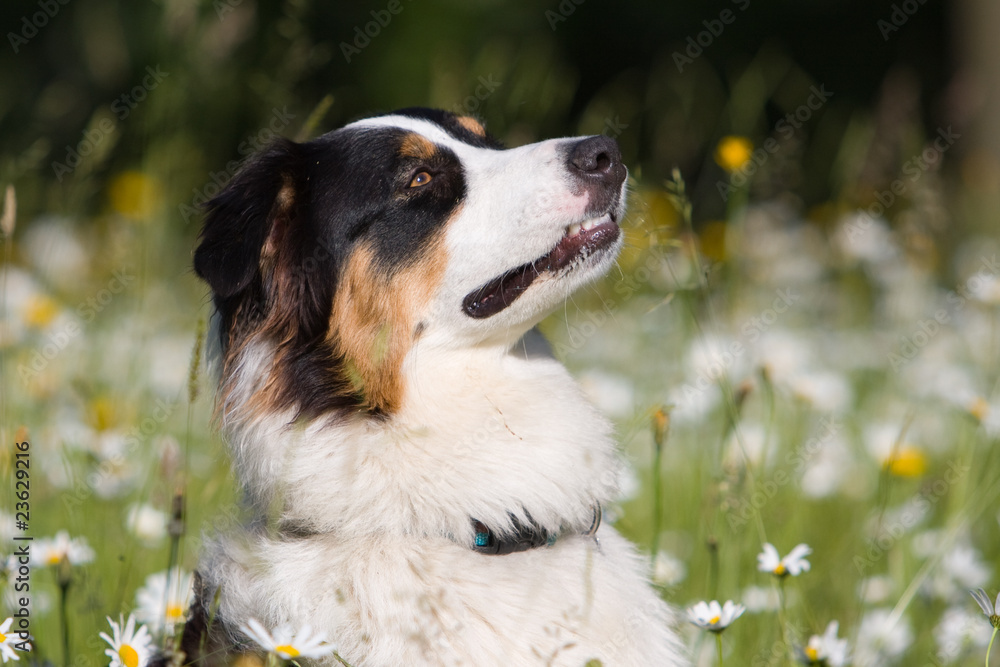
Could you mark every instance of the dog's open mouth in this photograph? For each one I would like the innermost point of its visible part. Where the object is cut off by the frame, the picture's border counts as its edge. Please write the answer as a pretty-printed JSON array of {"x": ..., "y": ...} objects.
[{"x": 582, "y": 240}]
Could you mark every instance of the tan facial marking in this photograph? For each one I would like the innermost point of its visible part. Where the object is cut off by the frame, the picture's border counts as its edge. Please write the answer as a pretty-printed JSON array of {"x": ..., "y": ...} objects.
[
  {"x": 417, "y": 146},
  {"x": 472, "y": 125},
  {"x": 373, "y": 320}
]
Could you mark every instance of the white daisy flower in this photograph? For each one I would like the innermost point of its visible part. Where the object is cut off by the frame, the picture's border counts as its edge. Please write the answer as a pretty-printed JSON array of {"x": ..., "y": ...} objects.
[
  {"x": 668, "y": 570},
  {"x": 760, "y": 599},
  {"x": 958, "y": 630},
  {"x": 7, "y": 641},
  {"x": 129, "y": 648},
  {"x": 876, "y": 589},
  {"x": 826, "y": 650},
  {"x": 286, "y": 643},
  {"x": 52, "y": 551},
  {"x": 794, "y": 563},
  {"x": 147, "y": 523},
  {"x": 713, "y": 617},
  {"x": 992, "y": 610},
  {"x": 160, "y": 607},
  {"x": 825, "y": 390},
  {"x": 962, "y": 568},
  {"x": 881, "y": 642}
]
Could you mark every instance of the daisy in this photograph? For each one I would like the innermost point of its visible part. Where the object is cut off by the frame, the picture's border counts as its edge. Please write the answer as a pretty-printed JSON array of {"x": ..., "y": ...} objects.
[
  {"x": 714, "y": 618},
  {"x": 668, "y": 570},
  {"x": 991, "y": 610},
  {"x": 160, "y": 607},
  {"x": 826, "y": 650},
  {"x": 285, "y": 643},
  {"x": 6, "y": 641},
  {"x": 52, "y": 551},
  {"x": 956, "y": 632},
  {"x": 128, "y": 647},
  {"x": 962, "y": 568},
  {"x": 881, "y": 640},
  {"x": 793, "y": 564},
  {"x": 147, "y": 523},
  {"x": 759, "y": 599}
]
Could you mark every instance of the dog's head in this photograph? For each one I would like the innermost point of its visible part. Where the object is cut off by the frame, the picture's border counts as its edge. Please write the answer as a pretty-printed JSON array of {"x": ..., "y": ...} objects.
[{"x": 330, "y": 260}]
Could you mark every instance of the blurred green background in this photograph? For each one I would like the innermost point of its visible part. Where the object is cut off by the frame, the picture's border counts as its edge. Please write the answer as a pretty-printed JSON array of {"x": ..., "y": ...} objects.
[{"x": 554, "y": 69}]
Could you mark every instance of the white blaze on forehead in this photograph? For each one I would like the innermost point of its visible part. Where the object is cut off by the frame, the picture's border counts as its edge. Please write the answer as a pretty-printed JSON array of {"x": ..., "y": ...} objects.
[{"x": 426, "y": 128}]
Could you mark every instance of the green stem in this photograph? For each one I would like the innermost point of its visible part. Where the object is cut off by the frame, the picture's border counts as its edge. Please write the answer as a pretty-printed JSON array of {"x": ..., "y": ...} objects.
[
  {"x": 718, "y": 645},
  {"x": 782, "y": 621},
  {"x": 64, "y": 619},
  {"x": 341, "y": 660},
  {"x": 990, "y": 647},
  {"x": 657, "y": 500}
]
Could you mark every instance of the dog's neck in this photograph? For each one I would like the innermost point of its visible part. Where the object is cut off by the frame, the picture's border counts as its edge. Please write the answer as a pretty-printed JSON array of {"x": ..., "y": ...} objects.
[{"x": 485, "y": 433}]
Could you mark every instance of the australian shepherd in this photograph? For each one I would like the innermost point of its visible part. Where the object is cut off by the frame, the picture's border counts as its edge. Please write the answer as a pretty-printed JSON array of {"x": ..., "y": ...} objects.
[{"x": 422, "y": 489}]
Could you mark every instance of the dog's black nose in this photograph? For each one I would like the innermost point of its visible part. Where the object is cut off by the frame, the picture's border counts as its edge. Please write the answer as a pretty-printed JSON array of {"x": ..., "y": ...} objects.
[
  {"x": 597, "y": 159},
  {"x": 596, "y": 165}
]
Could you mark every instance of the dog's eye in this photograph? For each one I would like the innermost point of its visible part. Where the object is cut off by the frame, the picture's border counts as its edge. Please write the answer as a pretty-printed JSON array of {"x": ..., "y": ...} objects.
[{"x": 423, "y": 178}]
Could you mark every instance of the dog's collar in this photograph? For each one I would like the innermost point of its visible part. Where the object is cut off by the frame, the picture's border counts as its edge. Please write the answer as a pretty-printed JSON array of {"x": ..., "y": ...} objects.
[
  {"x": 488, "y": 542},
  {"x": 523, "y": 537}
]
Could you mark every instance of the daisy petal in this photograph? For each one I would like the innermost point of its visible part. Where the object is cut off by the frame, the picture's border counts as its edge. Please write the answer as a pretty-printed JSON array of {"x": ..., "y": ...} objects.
[{"x": 984, "y": 602}]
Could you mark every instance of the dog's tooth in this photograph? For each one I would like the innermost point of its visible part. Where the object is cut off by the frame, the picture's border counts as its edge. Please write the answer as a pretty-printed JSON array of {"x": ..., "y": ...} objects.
[
  {"x": 589, "y": 224},
  {"x": 574, "y": 229}
]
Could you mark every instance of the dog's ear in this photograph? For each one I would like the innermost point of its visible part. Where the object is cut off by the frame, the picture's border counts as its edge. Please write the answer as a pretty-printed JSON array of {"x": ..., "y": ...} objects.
[{"x": 248, "y": 215}]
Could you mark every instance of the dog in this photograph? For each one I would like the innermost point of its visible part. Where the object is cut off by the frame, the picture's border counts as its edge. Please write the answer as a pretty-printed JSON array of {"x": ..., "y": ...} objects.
[{"x": 422, "y": 490}]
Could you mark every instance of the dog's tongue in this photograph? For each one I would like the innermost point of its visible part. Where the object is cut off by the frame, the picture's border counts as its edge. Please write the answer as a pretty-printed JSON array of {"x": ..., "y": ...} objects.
[{"x": 499, "y": 293}]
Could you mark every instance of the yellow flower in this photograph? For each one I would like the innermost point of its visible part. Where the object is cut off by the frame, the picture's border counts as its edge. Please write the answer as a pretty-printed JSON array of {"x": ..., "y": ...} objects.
[
  {"x": 129, "y": 647},
  {"x": 134, "y": 194},
  {"x": 40, "y": 311},
  {"x": 102, "y": 413},
  {"x": 907, "y": 462},
  {"x": 733, "y": 152},
  {"x": 979, "y": 408}
]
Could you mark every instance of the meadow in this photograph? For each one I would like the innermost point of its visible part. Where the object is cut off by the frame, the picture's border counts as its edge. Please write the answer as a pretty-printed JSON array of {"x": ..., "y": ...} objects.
[{"x": 794, "y": 351}]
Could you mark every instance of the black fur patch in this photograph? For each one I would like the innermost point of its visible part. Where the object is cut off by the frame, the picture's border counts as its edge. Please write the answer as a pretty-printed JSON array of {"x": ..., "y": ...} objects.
[{"x": 277, "y": 238}]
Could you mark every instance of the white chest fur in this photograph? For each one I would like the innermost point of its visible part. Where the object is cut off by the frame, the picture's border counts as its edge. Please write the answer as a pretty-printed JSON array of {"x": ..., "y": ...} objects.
[{"x": 385, "y": 569}]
